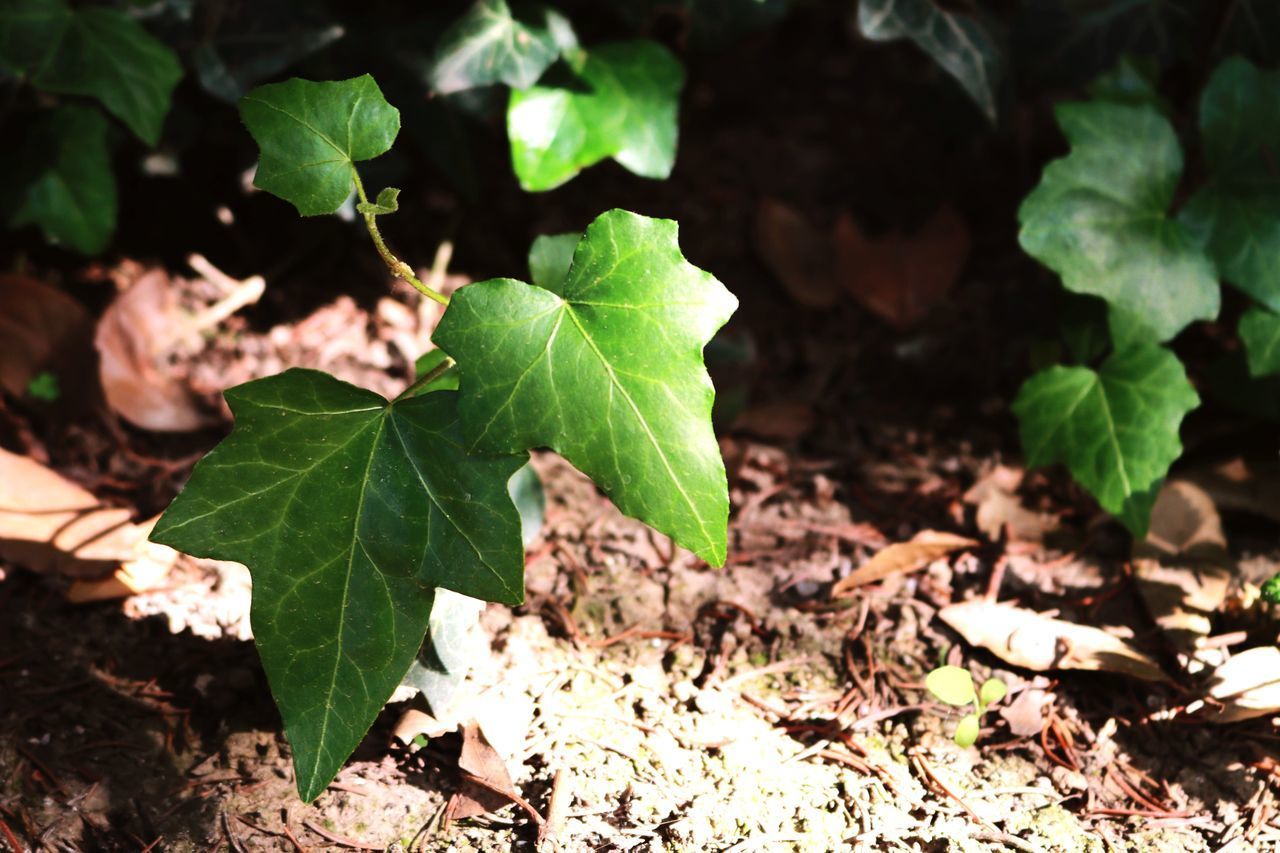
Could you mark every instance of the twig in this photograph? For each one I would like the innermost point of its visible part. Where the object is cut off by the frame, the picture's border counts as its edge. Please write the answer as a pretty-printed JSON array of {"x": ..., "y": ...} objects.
[
  {"x": 557, "y": 810},
  {"x": 11, "y": 838}
]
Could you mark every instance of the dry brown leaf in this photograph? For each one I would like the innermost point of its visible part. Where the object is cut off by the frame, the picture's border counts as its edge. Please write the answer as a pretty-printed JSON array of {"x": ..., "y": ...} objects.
[
  {"x": 1000, "y": 511},
  {"x": 799, "y": 255},
  {"x": 1242, "y": 484},
  {"x": 1247, "y": 686},
  {"x": 487, "y": 784},
  {"x": 1025, "y": 714},
  {"x": 899, "y": 277},
  {"x": 1040, "y": 643},
  {"x": 1182, "y": 566},
  {"x": 149, "y": 568},
  {"x": 50, "y": 524},
  {"x": 134, "y": 335},
  {"x": 925, "y": 547},
  {"x": 41, "y": 328}
]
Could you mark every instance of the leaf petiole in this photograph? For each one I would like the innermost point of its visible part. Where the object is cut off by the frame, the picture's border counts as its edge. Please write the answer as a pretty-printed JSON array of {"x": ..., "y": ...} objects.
[
  {"x": 398, "y": 267},
  {"x": 425, "y": 379}
]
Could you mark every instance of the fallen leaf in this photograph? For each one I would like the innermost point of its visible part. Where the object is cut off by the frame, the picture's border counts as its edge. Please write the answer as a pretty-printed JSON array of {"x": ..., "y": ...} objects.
[
  {"x": 41, "y": 328},
  {"x": 1025, "y": 714},
  {"x": 899, "y": 277},
  {"x": 1182, "y": 566},
  {"x": 1242, "y": 484},
  {"x": 1247, "y": 686},
  {"x": 1037, "y": 642},
  {"x": 999, "y": 510},
  {"x": 50, "y": 524},
  {"x": 800, "y": 255},
  {"x": 149, "y": 568},
  {"x": 487, "y": 784},
  {"x": 134, "y": 335},
  {"x": 925, "y": 547}
]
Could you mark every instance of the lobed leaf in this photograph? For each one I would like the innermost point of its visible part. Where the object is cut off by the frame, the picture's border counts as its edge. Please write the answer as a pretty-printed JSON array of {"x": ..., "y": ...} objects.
[
  {"x": 349, "y": 511},
  {"x": 101, "y": 53},
  {"x": 960, "y": 42},
  {"x": 492, "y": 43},
  {"x": 311, "y": 135},
  {"x": 1099, "y": 218},
  {"x": 1116, "y": 429},
  {"x": 1236, "y": 215},
  {"x": 72, "y": 197},
  {"x": 605, "y": 367},
  {"x": 620, "y": 102}
]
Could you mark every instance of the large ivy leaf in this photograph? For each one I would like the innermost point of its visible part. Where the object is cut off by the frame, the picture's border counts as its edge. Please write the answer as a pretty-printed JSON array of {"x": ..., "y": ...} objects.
[
  {"x": 349, "y": 511},
  {"x": 311, "y": 134},
  {"x": 71, "y": 194},
  {"x": 101, "y": 53},
  {"x": 1116, "y": 429},
  {"x": 620, "y": 101},
  {"x": 605, "y": 366},
  {"x": 1099, "y": 218},
  {"x": 1260, "y": 334},
  {"x": 492, "y": 43},
  {"x": 962, "y": 44},
  {"x": 1237, "y": 213}
]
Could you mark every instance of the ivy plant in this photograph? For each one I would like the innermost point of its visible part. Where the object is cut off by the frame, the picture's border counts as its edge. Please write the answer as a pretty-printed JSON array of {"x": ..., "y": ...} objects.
[
  {"x": 357, "y": 515},
  {"x": 66, "y": 186},
  {"x": 570, "y": 107},
  {"x": 1105, "y": 219}
]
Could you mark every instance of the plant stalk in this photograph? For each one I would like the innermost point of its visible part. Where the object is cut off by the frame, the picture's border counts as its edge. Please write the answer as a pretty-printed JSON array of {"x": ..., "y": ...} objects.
[
  {"x": 398, "y": 267},
  {"x": 425, "y": 379}
]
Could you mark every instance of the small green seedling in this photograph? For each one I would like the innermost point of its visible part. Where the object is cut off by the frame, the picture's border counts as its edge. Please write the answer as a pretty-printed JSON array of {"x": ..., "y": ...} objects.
[{"x": 954, "y": 685}]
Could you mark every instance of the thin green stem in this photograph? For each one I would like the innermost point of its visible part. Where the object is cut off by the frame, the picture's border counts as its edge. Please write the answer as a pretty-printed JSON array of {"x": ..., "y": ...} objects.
[
  {"x": 398, "y": 267},
  {"x": 425, "y": 379}
]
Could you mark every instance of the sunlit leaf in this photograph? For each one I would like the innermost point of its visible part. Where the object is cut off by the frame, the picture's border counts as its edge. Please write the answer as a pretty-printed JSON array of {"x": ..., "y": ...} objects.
[
  {"x": 967, "y": 730},
  {"x": 992, "y": 691},
  {"x": 349, "y": 511},
  {"x": 616, "y": 100},
  {"x": 1116, "y": 428},
  {"x": 1099, "y": 218},
  {"x": 606, "y": 368},
  {"x": 1260, "y": 334}
]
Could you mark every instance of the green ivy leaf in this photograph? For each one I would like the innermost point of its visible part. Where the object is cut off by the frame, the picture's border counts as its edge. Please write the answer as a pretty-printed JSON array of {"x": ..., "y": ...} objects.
[
  {"x": 967, "y": 730},
  {"x": 1236, "y": 215},
  {"x": 453, "y": 646},
  {"x": 620, "y": 102},
  {"x": 951, "y": 684},
  {"x": 550, "y": 257},
  {"x": 312, "y": 134},
  {"x": 72, "y": 196},
  {"x": 349, "y": 511},
  {"x": 1260, "y": 334},
  {"x": 961, "y": 43},
  {"x": 1099, "y": 218},
  {"x": 101, "y": 53},
  {"x": 492, "y": 43},
  {"x": 1116, "y": 429},
  {"x": 1134, "y": 81},
  {"x": 388, "y": 201},
  {"x": 606, "y": 368}
]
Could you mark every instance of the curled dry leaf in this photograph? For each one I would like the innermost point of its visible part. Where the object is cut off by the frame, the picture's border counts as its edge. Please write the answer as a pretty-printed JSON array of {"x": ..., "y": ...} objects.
[
  {"x": 999, "y": 510},
  {"x": 41, "y": 328},
  {"x": 800, "y": 255},
  {"x": 1182, "y": 566},
  {"x": 134, "y": 336},
  {"x": 1031, "y": 640},
  {"x": 1246, "y": 686},
  {"x": 50, "y": 524},
  {"x": 1026, "y": 712},
  {"x": 487, "y": 784},
  {"x": 925, "y": 547},
  {"x": 901, "y": 277}
]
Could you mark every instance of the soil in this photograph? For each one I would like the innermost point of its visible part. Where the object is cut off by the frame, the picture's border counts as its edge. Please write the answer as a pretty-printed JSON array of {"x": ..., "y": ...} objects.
[{"x": 658, "y": 703}]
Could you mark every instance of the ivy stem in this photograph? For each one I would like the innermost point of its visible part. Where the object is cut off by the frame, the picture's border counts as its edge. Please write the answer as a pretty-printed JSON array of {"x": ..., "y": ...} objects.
[
  {"x": 425, "y": 379},
  {"x": 398, "y": 267}
]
